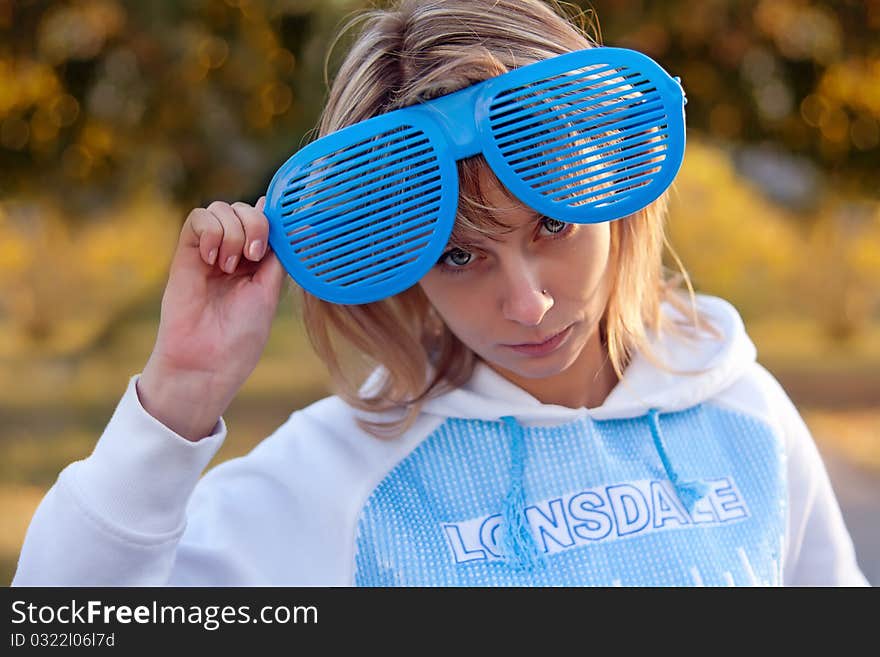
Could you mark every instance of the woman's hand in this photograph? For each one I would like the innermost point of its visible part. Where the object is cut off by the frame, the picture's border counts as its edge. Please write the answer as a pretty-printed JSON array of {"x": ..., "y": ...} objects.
[{"x": 222, "y": 294}]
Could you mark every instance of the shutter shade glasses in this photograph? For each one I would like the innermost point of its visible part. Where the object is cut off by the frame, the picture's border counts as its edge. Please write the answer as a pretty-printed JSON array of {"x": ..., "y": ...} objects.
[{"x": 584, "y": 137}]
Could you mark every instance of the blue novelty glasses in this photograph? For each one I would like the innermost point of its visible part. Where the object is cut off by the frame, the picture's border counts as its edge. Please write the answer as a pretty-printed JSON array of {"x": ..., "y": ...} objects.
[{"x": 584, "y": 137}]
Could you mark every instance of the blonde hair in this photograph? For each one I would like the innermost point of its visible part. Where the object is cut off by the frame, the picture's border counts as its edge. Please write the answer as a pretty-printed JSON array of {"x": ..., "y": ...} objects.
[{"x": 421, "y": 49}]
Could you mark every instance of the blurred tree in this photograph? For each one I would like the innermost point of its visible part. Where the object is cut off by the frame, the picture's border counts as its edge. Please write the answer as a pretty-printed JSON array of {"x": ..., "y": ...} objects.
[
  {"x": 118, "y": 116},
  {"x": 803, "y": 74},
  {"x": 841, "y": 267},
  {"x": 205, "y": 98},
  {"x": 200, "y": 99},
  {"x": 733, "y": 242}
]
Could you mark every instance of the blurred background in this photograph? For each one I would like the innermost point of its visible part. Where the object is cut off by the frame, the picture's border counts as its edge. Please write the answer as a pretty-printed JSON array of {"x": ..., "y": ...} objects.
[{"x": 117, "y": 118}]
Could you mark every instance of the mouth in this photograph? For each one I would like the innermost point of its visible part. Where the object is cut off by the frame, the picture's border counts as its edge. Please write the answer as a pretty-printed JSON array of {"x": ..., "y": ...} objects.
[
  {"x": 545, "y": 347},
  {"x": 542, "y": 342}
]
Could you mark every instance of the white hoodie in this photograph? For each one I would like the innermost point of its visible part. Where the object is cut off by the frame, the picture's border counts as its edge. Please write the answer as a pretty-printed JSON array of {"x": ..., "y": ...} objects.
[{"x": 710, "y": 479}]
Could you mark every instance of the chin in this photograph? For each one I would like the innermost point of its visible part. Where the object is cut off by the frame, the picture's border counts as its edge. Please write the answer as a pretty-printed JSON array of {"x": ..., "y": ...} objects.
[{"x": 534, "y": 368}]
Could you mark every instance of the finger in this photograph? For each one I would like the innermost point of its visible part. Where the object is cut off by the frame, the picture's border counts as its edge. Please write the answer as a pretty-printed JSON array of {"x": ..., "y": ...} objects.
[
  {"x": 261, "y": 203},
  {"x": 206, "y": 233},
  {"x": 256, "y": 230},
  {"x": 233, "y": 236}
]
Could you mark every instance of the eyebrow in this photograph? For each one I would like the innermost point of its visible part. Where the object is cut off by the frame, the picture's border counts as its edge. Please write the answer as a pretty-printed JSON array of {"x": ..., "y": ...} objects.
[
  {"x": 475, "y": 239},
  {"x": 468, "y": 241}
]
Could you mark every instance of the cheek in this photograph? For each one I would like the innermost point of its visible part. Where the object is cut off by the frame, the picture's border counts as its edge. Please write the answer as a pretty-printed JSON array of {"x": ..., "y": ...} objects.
[
  {"x": 600, "y": 254},
  {"x": 460, "y": 311},
  {"x": 437, "y": 292},
  {"x": 585, "y": 261}
]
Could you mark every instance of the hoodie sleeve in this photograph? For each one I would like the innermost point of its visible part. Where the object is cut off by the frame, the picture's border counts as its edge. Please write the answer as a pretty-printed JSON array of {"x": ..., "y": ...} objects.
[
  {"x": 116, "y": 517},
  {"x": 818, "y": 548}
]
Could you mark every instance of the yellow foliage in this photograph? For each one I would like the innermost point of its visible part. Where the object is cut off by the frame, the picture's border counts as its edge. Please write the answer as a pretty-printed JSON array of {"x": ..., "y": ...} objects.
[
  {"x": 59, "y": 285},
  {"x": 25, "y": 83},
  {"x": 853, "y": 434},
  {"x": 766, "y": 260},
  {"x": 732, "y": 242},
  {"x": 19, "y": 503},
  {"x": 864, "y": 253},
  {"x": 844, "y": 267},
  {"x": 854, "y": 82}
]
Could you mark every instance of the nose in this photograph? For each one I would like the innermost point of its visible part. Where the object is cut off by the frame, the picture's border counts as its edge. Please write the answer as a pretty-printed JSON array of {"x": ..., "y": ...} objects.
[{"x": 523, "y": 299}]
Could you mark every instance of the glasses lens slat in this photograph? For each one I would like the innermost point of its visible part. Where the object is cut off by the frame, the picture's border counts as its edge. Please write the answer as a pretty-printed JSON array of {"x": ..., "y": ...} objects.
[
  {"x": 622, "y": 171},
  {"x": 599, "y": 137},
  {"x": 356, "y": 224},
  {"x": 339, "y": 249},
  {"x": 345, "y": 198},
  {"x": 322, "y": 168},
  {"x": 527, "y": 162},
  {"x": 324, "y": 188},
  {"x": 576, "y": 102},
  {"x": 593, "y": 166},
  {"x": 506, "y": 98},
  {"x": 405, "y": 256},
  {"x": 362, "y": 269},
  {"x": 585, "y": 125},
  {"x": 606, "y": 193},
  {"x": 378, "y": 223},
  {"x": 391, "y": 202},
  {"x": 597, "y": 176}
]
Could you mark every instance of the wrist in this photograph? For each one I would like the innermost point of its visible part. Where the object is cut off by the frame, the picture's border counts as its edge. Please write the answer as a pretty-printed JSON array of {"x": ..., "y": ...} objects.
[{"x": 181, "y": 402}]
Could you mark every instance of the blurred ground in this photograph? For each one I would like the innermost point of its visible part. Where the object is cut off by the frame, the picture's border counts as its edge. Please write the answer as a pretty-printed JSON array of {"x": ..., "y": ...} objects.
[{"x": 858, "y": 492}]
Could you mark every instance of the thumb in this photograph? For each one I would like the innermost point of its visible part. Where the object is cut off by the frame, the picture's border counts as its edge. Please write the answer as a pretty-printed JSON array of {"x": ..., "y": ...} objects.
[
  {"x": 271, "y": 273},
  {"x": 261, "y": 203}
]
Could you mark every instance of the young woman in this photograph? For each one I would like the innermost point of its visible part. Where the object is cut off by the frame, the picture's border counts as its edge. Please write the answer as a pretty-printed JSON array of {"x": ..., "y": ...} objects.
[{"x": 546, "y": 406}]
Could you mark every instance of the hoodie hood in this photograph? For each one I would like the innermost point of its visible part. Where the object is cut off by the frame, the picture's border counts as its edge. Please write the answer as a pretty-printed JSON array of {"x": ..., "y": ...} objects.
[{"x": 644, "y": 386}]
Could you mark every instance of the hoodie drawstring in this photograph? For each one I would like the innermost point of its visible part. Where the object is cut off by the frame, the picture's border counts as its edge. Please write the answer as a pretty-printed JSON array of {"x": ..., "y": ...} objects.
[
  {"x": 520, "y": 549},
  {"x": 689, "y": 492}
]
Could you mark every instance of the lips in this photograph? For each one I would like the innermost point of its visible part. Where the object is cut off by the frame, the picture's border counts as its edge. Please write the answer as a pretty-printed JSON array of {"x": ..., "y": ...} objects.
[
  {"x": 538, "y": 344},
  {"x": 543, "y": 348}
]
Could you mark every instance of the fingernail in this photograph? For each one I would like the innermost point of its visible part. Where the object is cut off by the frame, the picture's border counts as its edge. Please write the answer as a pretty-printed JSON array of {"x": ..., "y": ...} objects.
[
  {"x": 230, "y": 264},
  {"x": 256, "y": 249},
  {"x": 212, "y": 257}
]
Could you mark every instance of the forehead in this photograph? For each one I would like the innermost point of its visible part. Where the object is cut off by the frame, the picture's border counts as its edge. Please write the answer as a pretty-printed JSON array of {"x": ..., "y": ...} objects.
[{"x": 486, "y": 209}]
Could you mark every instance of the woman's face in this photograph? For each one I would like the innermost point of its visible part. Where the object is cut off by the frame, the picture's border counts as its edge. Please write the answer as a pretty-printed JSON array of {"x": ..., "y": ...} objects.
[{"x": 490, "y": 296}]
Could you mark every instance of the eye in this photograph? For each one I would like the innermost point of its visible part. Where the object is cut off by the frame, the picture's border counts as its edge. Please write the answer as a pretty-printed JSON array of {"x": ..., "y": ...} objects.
[
  {"x": 455, "y": 261},
  {"x": 455, "y": 258},
  {"x": 553, "y": 225}
]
